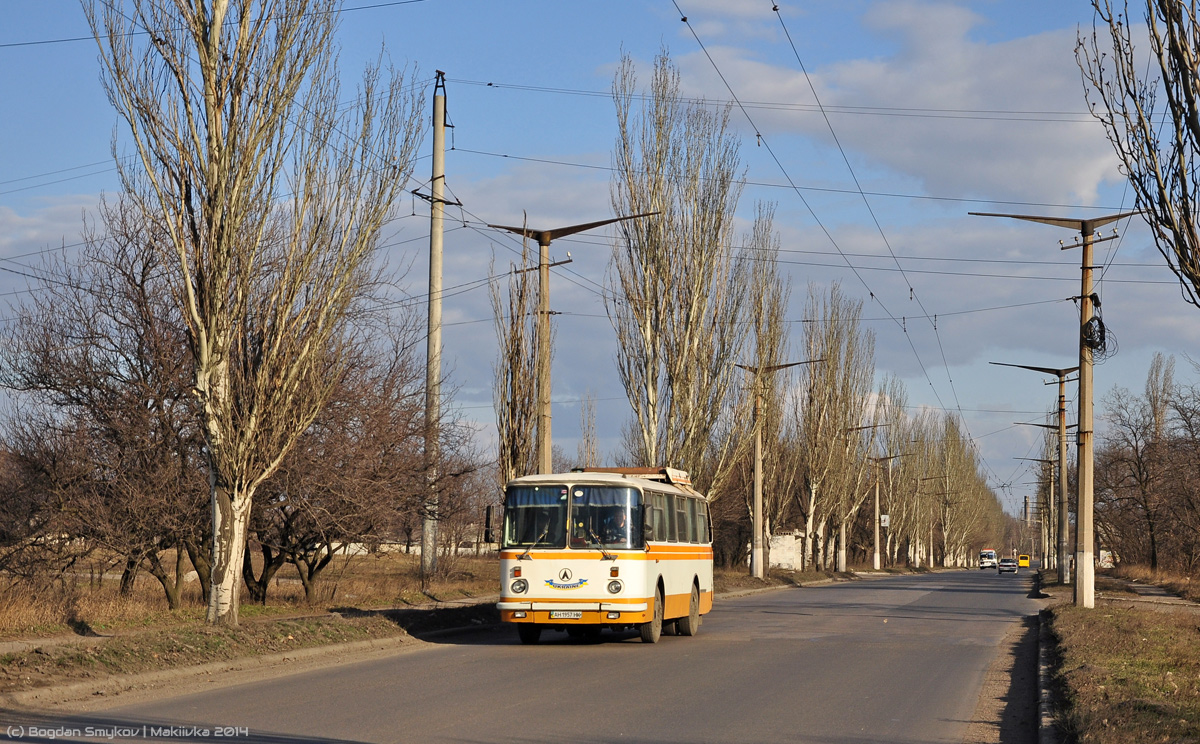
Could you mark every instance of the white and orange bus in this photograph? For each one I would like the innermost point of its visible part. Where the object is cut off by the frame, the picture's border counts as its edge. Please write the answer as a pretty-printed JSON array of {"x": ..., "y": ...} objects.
[{"x": 605, "y": 547}]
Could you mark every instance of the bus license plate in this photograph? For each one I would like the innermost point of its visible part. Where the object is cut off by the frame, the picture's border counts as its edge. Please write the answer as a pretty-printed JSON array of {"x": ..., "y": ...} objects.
[{"x": 566, "y": 614}]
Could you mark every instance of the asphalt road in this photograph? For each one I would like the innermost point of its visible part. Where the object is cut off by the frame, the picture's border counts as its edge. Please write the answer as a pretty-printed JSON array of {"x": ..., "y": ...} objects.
[{"x": 897, "y": 660}]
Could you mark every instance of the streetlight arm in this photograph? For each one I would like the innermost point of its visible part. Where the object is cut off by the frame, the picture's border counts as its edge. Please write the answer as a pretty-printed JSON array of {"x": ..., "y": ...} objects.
[
  {"x": 1085, "y": 226},
  {"x": 1044, "y": 370},
  {"x": 545, "y": 236}
]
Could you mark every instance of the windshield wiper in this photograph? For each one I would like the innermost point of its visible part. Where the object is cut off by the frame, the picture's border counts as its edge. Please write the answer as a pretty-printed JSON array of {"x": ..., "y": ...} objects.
[
  {"x": 525, "y": 556},
  {"x": 596, "y": 541}
]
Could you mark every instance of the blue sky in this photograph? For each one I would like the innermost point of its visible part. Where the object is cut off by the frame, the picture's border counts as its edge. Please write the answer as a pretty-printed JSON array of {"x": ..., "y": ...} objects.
[{"x": 940, "y": 108}]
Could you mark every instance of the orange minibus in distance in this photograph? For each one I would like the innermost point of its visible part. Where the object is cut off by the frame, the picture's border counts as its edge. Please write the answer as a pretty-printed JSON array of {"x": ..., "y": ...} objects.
[{"x": 596, "y": 548}]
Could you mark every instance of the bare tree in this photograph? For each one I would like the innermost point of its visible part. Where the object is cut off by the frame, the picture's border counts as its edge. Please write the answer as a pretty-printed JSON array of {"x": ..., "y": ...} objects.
[
  {"x": 1158, "y": 146},
  {"x": 96, "y": 356},
  {"x": 960, "y": 496},
  {"x": 895, "y": 469},
  {"x": 514, "y": 388},
  {"x": 589, "y": 449},
  {"x": 678, "y": 298},
  {"x": 832, "y": 411},
  {"x": 357, "y": 466},
  {"x": 1184, "y": 492},
  {"x": 770, "y": 292},
  {"x": 1133, "y": 468},
  {"x": 271, "y": 195}
]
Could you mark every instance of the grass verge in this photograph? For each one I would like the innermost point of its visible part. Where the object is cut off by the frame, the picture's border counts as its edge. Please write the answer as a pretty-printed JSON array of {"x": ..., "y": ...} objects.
[
  {"x": 191, "y": 645},
  {"x": 1127, "y": 674}
]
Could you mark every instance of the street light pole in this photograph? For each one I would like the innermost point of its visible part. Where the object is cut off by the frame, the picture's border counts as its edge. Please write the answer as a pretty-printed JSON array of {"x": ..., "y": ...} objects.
[
  {"x": 877, "y": 461},
  {"x": 757, "y": 570},
  {"x": 543, "y": 237},
  {"x": 842, "y": 565},
  {"x": 1047, "y": 543},
  {"x": 1085, "y": 569},
  {"x": 1063, "y": 526}
]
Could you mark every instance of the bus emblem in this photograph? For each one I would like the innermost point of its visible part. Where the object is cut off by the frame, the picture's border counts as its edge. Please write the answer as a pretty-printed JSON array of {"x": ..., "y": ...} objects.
[{"x": 564, "y": 581}]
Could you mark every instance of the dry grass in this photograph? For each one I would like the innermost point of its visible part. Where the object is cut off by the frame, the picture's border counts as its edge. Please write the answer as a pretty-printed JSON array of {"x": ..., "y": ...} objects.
[
  {"x": 1128, "y": 675},
  {"x": 181, "y": 646},
  {"x": 88, "y": 599},
  {"x": 1180, "y": 584}
]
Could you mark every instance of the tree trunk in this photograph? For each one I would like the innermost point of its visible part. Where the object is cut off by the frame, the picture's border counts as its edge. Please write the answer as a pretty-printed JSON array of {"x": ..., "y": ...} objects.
[
  {"x": 810, "y": 543},
  {"x": 822, "y": 547},
  {"x": 306, "y": 580},
  {"x": 171, "y": 585},
  {"x": 258, "y": 586},
  {"x": 841, "y": 549},
  {"x": 129, "y": 574},
  {"x": 202, "y": 565},
  {"x": 231, "y": 517}
]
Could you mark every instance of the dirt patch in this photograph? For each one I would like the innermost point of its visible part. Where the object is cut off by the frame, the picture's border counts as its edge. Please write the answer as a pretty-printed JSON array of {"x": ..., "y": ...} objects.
[{"x": 1007, "y": 711}]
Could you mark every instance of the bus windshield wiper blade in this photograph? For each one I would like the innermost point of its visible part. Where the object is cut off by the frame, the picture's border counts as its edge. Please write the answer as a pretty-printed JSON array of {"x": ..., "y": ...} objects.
[
  {"x": 525, "y": 556},
  {"x": 596, "y": 541}
]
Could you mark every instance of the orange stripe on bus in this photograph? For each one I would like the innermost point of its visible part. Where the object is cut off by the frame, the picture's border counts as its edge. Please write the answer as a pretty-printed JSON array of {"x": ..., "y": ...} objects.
[{"x": 655, "y": 553}]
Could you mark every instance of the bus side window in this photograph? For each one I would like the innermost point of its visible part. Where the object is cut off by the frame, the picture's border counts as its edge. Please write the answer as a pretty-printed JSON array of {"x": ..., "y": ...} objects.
[
  {"x": 684, "y": 523},
  {"x": 669, "y": 504},
  {"x": 656, "y": 517},
  {"x": 705, "y": 534},
  {"x": 693, "y": 522}
]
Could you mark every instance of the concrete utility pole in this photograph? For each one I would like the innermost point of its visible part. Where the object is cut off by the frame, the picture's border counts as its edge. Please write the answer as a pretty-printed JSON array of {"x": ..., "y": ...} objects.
[
  {"x": 543, "y": 237},
  {"x": 1085, "y": 568},
  {"x": 878, "y": 461},
  {"x": 1047, "y": 543},
  {"x": 757, "y": 570},
  {"x": 842, "y": 557},
  {"x": 945, "y": 479},
  {"x": 1064, "y": 525},
  {"x": 433, "y": 348}
]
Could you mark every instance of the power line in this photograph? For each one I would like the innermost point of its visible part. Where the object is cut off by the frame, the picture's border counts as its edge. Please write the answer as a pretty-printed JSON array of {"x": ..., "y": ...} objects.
[
  {"x": 765, "y": 143},
  {"x": 76, "y": 39},
  {"x": 796, "y": 187},
  {"x": 1066, "y": 117}
]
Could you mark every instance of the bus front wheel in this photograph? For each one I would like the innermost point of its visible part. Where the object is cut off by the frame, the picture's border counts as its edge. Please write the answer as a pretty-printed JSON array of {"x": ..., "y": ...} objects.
[
  {"x": 652, "y": 630},
  {"x": 529, "y": 633}
]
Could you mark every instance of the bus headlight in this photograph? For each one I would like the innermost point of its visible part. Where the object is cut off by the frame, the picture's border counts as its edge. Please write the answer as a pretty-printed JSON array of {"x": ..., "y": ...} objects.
[
  {"x": 520, "y": 586},
  {"x": 614, "y": 587}
]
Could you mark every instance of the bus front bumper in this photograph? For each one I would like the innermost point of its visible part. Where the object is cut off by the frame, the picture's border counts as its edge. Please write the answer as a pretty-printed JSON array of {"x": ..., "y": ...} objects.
[{"x": 576, "y": 613}]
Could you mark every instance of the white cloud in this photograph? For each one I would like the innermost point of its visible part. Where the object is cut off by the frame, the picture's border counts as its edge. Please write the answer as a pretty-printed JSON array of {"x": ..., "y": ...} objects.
[{"x": 962, "y": 117}]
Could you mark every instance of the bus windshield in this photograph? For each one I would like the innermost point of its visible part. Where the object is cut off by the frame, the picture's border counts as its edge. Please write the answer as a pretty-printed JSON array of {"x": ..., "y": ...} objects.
[
  {"x": 606, "y": 517},
  {"x": 535, "y": 516}
]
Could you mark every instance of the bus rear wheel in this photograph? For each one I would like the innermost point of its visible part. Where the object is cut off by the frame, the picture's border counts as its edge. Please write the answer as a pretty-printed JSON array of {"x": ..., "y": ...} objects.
[
  {"x": 690, "y": 625},
  {"x": 529, "y": 633},
  {"x": 652, "y": 630}
]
